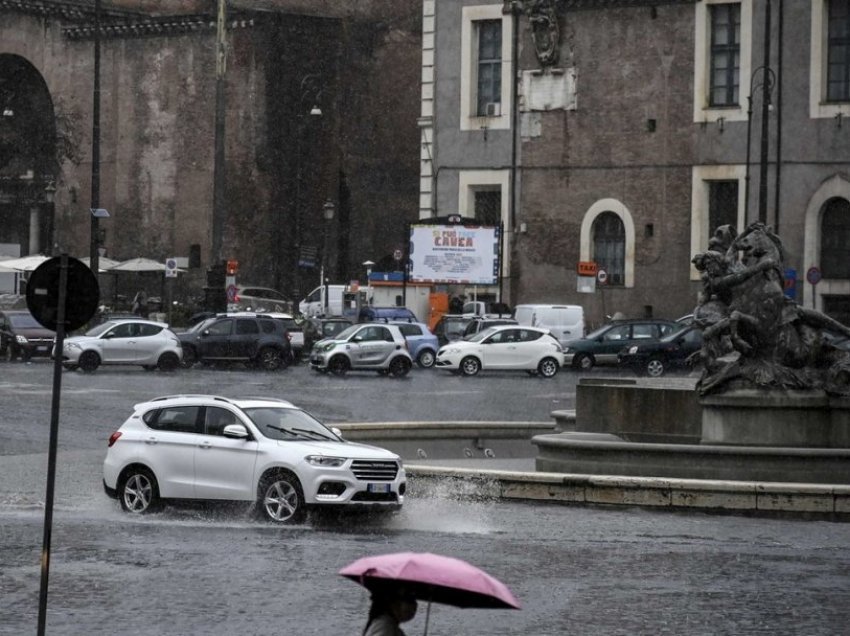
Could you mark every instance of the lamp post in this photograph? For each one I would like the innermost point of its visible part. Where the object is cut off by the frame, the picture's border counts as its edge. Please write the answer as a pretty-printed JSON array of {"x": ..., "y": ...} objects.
[
  {"x": 311, "y": 93},
  {"x": 368, "y": 265},
  {"x": 328, "y": 212},
  {"x": 764, "y": 78}
]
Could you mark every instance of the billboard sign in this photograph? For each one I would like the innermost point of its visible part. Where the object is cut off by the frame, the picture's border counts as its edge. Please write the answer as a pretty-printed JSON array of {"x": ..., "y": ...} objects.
[{"x": 454, "y": 254}]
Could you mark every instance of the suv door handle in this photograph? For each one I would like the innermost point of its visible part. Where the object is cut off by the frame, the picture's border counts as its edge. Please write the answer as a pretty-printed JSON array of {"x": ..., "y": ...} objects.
[
  {"x": 205, "y": 445},
  {"x": 150, "y": 440}
]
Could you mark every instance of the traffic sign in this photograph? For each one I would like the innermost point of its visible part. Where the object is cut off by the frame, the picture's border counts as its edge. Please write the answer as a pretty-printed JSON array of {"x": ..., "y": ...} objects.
[
  {"x": 81, "y": 290},
  {"x": 813, "y": 275},
  {"x": 171, "y": 268},
  {"x": 601, "y": 277},
  {"x": 231, "y": 293}
]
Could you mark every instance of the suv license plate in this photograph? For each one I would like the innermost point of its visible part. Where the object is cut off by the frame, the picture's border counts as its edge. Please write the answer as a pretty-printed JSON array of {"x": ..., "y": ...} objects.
[{"x": 378, "y": 487}]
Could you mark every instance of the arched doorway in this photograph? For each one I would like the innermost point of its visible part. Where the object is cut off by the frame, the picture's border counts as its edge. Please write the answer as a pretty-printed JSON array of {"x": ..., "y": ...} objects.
[{"x": 27, "y": 157}]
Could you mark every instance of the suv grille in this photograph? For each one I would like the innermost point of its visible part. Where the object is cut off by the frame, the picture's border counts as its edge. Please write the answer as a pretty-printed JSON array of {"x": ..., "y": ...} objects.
[{"x": 366, "y": 470}]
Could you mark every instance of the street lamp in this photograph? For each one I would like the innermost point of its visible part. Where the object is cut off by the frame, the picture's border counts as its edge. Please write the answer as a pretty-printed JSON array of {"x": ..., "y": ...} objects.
[
  {"x": 368, "y": 265},
  {"x": 763, "y": 77},
  {"x": 311, "y": 92},
  {"x": 328, "y": 212}
]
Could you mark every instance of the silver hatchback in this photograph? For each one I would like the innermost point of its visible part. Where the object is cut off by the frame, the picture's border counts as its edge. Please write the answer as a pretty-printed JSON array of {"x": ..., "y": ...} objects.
[
  {"x": 138, "y": 342},
  {"x": 366, "y": 347}
]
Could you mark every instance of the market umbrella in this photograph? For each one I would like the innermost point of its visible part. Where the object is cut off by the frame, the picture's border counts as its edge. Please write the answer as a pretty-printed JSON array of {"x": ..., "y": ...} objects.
[
  {"x": 25, "y": 263},
  {"x": 139, "y": 265},
  {"x": 432, "y": 577},
  {"x": 103, "y": 264}
]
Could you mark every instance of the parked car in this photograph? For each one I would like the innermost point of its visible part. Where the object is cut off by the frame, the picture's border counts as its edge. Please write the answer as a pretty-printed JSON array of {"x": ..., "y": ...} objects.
[
  {"x": 565, "y": 322},
  {"x": 295, "y": 331},
  {"x": 138, "y": 342},
  {"x": 421, "y": 343},
  {"x": 480, "y": 324},
  {"x": 22, "y": 336},
  {"x": 316, "y": 329},
  {"x": 386, "y": 314},
  {"x": 450, "y": 327},
  {"x": 260, "y": 450},
  {"x": 504, "y": 348},
  {"x": 603, "y": 345},
  {"x": 375, "y": 347},
  {"x": 259, "y": 299},
  {"x": 254, "y": 339},
  {"x": 656, "y": 357}
]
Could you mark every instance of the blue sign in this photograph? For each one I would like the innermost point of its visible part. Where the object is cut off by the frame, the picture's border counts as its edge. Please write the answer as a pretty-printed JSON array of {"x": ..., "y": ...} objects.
[{"x": 791, "y": 283}]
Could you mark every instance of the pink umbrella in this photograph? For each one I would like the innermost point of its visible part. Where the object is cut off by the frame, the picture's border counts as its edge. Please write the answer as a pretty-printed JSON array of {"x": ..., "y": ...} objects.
[{"x": 432, "y": 577}]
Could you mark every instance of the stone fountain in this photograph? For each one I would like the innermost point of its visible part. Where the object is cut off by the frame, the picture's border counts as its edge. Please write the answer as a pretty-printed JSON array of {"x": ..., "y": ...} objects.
[{"x": 772, "y": 403}]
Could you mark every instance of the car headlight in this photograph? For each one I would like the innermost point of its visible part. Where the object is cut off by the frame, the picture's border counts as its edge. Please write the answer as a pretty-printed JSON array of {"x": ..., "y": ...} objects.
[
  {"x": 326, "y": 348},
  {"x": 569, "y": 350},
  {"x": 327, "y": 462},
  {"x": 21, "y": 339},
  {"x": 451, "y": 350},
  {"x": 71, "y": 345},
  {"x": 633, "y": 350}
]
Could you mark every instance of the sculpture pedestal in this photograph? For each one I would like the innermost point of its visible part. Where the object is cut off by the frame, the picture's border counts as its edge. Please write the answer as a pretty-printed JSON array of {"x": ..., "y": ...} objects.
[{"x": 752, "y": 417}]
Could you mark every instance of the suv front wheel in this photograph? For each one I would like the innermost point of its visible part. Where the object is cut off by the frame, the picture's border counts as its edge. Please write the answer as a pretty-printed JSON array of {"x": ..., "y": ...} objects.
[
  {"x": 269, "y": 359},
  {"x": 281, "y": 498}
]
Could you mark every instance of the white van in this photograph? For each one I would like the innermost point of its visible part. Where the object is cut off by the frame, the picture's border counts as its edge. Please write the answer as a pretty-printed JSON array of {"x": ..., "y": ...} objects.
[
  {"x": 314, "y": 304},
  {"x": 566, "y": 322}
]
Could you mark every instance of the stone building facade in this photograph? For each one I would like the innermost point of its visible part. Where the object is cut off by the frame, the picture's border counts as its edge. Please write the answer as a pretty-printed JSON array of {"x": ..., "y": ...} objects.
[
  {"x": 286, "y": 61},
  {"x": 619, "y": 132}
]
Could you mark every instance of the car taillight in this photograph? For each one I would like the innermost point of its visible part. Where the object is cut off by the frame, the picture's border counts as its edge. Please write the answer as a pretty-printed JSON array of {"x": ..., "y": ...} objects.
[
  {"x": 236, "y": 298},
  {"x": 113, "y": 438}
]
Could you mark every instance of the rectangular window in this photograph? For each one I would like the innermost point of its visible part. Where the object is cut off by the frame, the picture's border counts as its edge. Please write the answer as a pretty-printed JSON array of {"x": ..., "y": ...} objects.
[
  {"x": 722, "y": 204},
  {"x": 489, "y": 67},
  {"x": 488, "y": 207},
  {"x": 725, "y": 54},
  {"x": 838, "y": 52}
]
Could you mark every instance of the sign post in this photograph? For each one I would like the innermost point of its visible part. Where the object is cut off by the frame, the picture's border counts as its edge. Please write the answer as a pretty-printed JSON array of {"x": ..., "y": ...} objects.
[
  {"x": 586, "y": 277},
  {"x": 813, "y": 275}
]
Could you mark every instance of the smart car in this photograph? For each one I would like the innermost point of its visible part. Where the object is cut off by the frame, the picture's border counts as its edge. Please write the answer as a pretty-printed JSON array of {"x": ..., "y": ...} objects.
[{"x": 376, "y": 347}]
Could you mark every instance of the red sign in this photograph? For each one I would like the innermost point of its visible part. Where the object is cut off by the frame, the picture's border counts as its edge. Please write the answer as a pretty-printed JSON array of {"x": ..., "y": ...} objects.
[{"x": 587, "y": 268}]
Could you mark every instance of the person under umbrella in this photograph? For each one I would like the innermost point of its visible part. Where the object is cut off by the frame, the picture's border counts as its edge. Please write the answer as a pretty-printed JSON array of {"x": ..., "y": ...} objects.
[{"x": 388, "y": 610}]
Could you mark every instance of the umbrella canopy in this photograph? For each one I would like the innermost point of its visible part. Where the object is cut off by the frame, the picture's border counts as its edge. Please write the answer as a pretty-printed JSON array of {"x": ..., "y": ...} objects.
[
  {"x": 140, "y": 265},
  {"x": 25, "y": 263},
  {"x": 432, "y": 577},
  {"x": 103, "y": 263}
]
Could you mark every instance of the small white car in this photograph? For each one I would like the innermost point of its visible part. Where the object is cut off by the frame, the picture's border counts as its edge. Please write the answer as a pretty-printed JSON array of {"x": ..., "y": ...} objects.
[
  {"x": 138, "y": 342},
  {"x": 504, "y": 348},
  {"x": 367, "y": 347},
  {"x": 259, "y": 450}
]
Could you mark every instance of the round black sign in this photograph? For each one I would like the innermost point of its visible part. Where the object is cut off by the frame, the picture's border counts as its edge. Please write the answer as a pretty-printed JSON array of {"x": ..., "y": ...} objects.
[{"x": 82, "y": 293}]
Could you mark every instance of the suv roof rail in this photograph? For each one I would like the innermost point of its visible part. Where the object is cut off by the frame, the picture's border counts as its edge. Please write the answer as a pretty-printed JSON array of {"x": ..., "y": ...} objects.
[
  {"x": 190, "y": 395},
  {"x": 266, "y": 399}
]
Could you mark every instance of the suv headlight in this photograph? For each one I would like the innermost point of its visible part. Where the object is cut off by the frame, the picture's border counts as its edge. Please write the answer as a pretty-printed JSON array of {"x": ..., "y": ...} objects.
[
  {"x": 327, "y": 462},
  {"x": 21, "y": 339}
]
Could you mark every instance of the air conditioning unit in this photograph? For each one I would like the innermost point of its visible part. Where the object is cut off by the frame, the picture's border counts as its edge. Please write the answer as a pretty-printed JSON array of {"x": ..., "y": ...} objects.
[{"x": 492, "y": 109}]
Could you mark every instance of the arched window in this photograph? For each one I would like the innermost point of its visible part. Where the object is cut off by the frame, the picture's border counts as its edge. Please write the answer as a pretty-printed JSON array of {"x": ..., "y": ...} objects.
[
  {"x": 835, "y": 239},
  {"x": 609, "y": 246}
]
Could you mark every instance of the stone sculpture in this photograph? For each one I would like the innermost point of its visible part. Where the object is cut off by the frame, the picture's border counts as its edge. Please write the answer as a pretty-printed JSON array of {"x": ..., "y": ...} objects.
[{"x": 753, "y": 335}]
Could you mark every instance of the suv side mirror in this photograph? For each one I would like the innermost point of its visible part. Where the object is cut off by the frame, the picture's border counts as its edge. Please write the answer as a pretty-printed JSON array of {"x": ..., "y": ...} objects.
[{"x": 235, "y": 431}]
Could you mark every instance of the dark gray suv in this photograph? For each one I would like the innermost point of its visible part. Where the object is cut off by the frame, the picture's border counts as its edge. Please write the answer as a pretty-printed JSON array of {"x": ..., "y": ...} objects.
[{"x": 256, "y": 340}]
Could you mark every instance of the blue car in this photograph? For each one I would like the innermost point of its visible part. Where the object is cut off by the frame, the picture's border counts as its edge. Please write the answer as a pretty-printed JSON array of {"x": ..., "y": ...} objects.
[{"x": 423, "y": 344}]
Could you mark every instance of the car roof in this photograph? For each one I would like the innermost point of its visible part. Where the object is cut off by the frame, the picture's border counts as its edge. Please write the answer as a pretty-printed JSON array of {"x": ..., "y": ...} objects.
[
  {"x": 207, "y": 400},
  {"x": 121, "y": 321}
]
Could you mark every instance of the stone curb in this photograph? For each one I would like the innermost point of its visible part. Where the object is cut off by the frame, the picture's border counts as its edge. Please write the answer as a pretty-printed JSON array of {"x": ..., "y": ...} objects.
[{"x": 792, "y": 499}]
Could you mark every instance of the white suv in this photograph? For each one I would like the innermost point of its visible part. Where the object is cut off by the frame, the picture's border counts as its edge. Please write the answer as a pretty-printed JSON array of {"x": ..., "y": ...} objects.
[{"x": 261, "y": 450}]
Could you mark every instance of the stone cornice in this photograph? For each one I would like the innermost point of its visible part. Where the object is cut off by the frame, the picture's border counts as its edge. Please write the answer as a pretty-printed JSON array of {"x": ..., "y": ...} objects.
[
  {"x": 78, "y": 20},
  {"x": 524, "y": 5}
]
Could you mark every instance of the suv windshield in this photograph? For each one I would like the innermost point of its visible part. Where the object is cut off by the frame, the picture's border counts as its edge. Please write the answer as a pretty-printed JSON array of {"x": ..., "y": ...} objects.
[{"x": 288, "y": 424}]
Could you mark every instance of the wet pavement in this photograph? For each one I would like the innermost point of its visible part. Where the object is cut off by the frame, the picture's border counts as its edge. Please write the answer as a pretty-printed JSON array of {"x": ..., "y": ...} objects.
[{"x": 576, "y": 570}]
